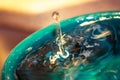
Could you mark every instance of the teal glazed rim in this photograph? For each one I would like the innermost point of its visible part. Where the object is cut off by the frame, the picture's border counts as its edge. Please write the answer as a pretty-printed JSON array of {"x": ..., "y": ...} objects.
[{"x": 38, "y": 38}]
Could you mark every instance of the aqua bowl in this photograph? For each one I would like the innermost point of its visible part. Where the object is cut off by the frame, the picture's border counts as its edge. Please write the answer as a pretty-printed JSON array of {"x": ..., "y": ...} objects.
[{"x": 37, "y": 39}]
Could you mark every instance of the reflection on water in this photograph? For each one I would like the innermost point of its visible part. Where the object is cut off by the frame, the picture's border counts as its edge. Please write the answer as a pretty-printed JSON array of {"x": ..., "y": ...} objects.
[{"x": 89, "y": 53}]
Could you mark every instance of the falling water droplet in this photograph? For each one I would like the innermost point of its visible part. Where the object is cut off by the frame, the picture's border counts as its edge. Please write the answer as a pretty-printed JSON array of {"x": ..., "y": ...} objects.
[{"x": 56, "y": 16}]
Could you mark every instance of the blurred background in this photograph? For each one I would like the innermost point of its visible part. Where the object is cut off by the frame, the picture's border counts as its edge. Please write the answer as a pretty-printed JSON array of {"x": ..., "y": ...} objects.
[{"x": 20, "y": 18}]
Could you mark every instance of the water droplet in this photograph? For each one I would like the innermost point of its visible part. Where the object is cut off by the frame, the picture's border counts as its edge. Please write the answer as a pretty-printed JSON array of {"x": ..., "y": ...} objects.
[{"x": 56, "y": 16}]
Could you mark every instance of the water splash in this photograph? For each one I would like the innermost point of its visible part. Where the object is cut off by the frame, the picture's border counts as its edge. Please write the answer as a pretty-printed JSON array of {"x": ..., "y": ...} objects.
[{"x": 60, "y": 41}]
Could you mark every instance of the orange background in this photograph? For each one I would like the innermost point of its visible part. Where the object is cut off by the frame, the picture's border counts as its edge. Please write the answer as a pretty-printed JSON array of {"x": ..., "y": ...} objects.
[{"x": 20, "y": 18}]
